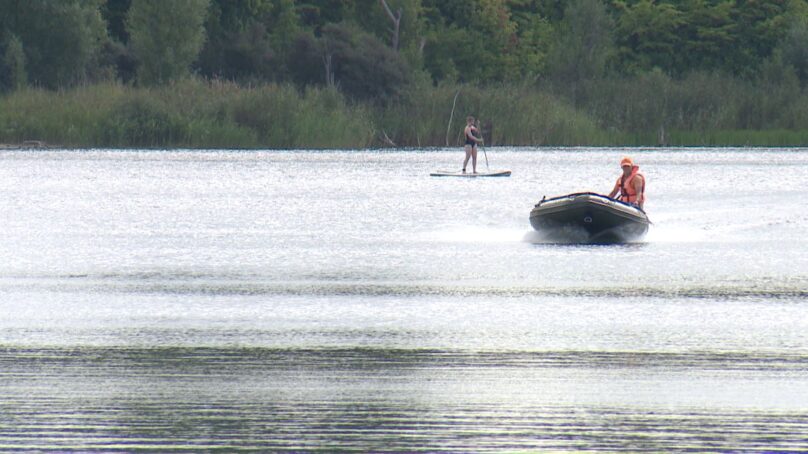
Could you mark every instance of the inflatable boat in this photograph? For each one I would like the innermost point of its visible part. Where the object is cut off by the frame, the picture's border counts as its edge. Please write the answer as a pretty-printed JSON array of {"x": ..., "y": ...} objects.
[{"x": 586, "y": 217}]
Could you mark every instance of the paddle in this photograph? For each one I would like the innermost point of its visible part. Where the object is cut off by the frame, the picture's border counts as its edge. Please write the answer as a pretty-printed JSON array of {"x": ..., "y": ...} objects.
[{"x": 482, "y": 144}]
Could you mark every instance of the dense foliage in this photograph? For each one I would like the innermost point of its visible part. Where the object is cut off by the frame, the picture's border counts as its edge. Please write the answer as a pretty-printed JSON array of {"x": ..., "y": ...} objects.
[{"x": 628, "y": 65}]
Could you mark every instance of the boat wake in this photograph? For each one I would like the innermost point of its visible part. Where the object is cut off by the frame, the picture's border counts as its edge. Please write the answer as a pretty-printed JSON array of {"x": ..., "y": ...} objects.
[
  {"x": 675, "y": 234},
  {"x": 477, "y": 235}
]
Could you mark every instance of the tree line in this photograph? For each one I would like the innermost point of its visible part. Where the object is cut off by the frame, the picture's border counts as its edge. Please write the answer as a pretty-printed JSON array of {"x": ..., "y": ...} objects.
[
  {"x": 374, "y": 48},
  {"x": 388, "y": 52}
]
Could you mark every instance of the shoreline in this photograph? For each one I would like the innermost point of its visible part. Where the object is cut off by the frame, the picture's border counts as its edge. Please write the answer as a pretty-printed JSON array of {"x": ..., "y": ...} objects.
[{"x": 27, "y": 145}]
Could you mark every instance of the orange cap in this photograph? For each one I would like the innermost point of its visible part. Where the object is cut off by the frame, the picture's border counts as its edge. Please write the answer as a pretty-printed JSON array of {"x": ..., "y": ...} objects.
[{"x": 626, "y": 162}]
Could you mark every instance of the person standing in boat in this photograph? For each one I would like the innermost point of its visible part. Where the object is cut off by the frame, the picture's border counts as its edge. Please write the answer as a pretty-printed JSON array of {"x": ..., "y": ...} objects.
[
  {"x": 631, "y": 184},
  {"x": 470, "y": 134}
]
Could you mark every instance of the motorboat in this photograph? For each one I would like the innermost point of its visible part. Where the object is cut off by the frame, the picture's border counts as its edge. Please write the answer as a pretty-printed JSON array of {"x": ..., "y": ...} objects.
[{"x": 586, "y": 217}]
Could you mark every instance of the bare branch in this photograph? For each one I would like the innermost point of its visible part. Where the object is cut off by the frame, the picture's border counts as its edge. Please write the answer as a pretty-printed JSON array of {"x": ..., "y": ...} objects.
[
  {"x": 389, "y": 11},
  {"x": 449, "y": 127},
  {"x": 396, "y": 18}
]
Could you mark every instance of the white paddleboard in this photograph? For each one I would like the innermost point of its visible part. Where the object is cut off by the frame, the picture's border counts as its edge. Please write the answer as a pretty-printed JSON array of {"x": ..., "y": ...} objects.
[{"x": 458, "y": 173}]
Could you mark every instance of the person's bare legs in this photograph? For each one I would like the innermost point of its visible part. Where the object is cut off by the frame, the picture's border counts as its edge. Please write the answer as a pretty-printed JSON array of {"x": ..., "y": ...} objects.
[
  {"x": 473, "y": 159},
  {"x": 469, "y": 152}
]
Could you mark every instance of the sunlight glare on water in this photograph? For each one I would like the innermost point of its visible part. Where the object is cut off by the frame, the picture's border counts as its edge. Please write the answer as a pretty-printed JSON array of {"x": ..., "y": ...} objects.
[{"x": 345, "y": 300}]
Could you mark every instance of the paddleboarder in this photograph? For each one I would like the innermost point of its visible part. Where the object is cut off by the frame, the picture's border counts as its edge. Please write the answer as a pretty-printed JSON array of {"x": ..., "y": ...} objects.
[
  {"x": 631, "y": 184},
  {"x": 470, "y": 133}
]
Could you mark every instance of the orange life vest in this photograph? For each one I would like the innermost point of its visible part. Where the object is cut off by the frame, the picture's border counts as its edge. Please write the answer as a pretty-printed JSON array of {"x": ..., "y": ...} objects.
[{"x": 627, "y": 192}]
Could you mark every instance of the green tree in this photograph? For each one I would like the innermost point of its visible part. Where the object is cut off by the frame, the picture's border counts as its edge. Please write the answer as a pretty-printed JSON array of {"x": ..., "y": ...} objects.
[
  {"x": 534, "y": 34},
  {"x": 448, "y": 56},
  {"x": 249, "y": 40},
  {"x": 284, "y": 28},
  {"x": 372, "y": 16},
  {"x": 115, "y": 52},
  {"x": 476, "y": 41},
  {"x": 356, "y": 62},
  {"x": 114, "y": 14},
  {"x": 451, "y": 49},
  {"x": 12, "y": 65},
  {"x": 315, "y": 14},
  {"x": 308, "y": 67},
  {"x": 584, "y": 46},
  {"x": 497, "y": 54},
  {"x": 794, "y": 49},
  {"x": 761, "y": 25},
  {"x": 166, "y": 37},
  {"x": 61, "y": 39},
  {"x": 647, "y": 36},
  {"x": 552, "y": 10},
  {"x": 709, "y": 35}
]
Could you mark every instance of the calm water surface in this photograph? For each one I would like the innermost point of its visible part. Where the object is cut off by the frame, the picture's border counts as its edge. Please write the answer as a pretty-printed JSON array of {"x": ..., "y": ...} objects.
[{"x": 346, "y": 301}]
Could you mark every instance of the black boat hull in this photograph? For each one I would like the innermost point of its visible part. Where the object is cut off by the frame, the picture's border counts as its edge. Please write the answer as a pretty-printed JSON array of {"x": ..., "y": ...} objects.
[{"x": 588, "y": 218}]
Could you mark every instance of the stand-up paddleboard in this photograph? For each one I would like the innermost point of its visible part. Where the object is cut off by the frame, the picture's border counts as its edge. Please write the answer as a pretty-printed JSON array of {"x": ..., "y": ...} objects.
[{"x": 460, "y": 173}]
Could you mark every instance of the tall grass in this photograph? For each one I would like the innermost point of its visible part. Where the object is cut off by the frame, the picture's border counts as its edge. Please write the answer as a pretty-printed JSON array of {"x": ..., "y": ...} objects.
[
  {"x": 702, "y": 109},
  {"x": 70, "y": 118},
  {"x": 191, "y": 113},
  {"x": 512, "y": 115},
  {"x": 282, "y": 117}
]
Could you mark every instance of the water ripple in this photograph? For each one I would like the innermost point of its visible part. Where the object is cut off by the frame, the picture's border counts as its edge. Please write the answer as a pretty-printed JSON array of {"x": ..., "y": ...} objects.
[
  {"x": 203, "y": 284},
  {"x": 233, "y": 400}
]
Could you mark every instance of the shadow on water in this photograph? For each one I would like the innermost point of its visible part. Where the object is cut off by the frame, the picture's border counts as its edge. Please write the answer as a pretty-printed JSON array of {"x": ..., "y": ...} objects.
[
  {"x": 187, "y": 361},
  {"x": 365, "y": 399},
  {"x": 183, "y": 285}
]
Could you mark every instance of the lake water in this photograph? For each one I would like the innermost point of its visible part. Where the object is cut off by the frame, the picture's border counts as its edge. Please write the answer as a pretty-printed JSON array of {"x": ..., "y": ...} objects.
[{"x": 345, "y": 300}]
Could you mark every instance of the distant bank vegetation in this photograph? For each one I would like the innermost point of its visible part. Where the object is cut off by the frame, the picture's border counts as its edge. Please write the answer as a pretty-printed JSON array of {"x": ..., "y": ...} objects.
[
  {"x": 404, "y": 73},
  {"x": 647, "y": 111}
]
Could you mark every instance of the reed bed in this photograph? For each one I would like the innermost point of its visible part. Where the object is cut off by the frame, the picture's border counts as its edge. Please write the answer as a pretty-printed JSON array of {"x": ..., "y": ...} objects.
[
  {"x": 193, "y": 113},
  {"x": 650, "y": 110}
]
